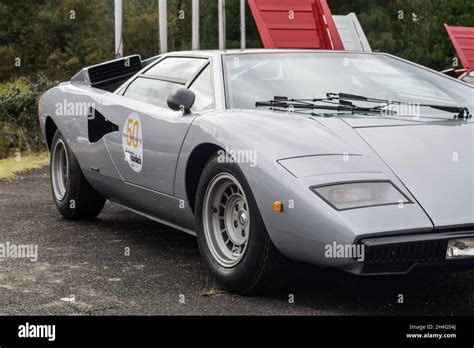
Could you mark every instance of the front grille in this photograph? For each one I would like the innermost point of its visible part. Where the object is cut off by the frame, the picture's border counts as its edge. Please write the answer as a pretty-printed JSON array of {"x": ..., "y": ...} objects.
[
  {"x": 423, "y": 251},
  {"x": 399, "y": 257},
  {"x": 398, "y": 254}
]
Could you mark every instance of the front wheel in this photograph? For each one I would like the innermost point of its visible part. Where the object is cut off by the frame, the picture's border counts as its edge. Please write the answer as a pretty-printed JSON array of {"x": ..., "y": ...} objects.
[
  {"x": 73, "y": 195},
  {"x": 231, "y": 234}
]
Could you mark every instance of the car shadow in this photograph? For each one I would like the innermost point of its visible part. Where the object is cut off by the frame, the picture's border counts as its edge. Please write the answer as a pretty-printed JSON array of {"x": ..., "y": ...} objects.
[{"x": 422, "y": 292}]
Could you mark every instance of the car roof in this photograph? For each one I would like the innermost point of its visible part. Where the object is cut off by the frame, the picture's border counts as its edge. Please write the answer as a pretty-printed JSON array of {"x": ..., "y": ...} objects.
[{"x": 209, "y": 53}]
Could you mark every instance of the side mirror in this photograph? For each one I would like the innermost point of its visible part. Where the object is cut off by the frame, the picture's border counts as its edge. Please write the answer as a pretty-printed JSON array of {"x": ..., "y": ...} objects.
[{"x": 182, "y": 100}]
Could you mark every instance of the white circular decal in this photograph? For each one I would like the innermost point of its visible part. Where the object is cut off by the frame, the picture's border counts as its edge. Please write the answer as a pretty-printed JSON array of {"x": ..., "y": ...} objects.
[{"x": 132, "y": 142}]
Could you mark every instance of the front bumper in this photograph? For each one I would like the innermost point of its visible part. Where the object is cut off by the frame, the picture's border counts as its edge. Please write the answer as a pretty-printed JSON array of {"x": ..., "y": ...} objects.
[{"x": 400, "y": 254}]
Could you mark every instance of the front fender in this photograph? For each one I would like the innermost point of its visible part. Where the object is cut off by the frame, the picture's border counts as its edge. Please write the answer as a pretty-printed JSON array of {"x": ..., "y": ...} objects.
[{"x": 307, "y": 224}]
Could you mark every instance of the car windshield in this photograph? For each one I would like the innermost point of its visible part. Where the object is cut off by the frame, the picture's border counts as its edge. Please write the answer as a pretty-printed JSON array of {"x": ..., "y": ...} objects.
[{"x": 262, "y": 76}]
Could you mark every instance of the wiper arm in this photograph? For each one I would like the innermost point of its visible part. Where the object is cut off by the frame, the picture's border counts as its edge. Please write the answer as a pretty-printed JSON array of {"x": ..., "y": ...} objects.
[
  {"x": 311, "y": 104},
  {"x": 461, "y": 112}
]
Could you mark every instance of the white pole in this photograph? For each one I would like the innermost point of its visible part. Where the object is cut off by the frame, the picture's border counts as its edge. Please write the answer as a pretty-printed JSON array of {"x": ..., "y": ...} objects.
[
  {"x": 242, "y": 25},
  {"x": 118, "y": 28},
  {"x": 221, "y": 9},
  {"x": 163, "y": 24},
  {"x": 195, "y": 25}
]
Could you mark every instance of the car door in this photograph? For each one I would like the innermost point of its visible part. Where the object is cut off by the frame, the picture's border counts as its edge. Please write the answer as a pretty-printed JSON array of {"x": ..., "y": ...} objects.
[{"x": 145, "y": 149}]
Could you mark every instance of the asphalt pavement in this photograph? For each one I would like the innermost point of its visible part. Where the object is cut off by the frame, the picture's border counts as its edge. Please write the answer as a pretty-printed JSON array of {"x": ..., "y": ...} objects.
[{"x": 124, "y": 264}]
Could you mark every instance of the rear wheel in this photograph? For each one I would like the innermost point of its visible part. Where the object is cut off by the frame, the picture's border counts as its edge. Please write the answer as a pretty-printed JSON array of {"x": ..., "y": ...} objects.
[
  {"x": 231, "y": 234},
  {"x": 73, "y": 195}
]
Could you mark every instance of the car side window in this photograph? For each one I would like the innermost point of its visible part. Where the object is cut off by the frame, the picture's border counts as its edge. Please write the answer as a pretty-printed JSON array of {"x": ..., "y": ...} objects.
[
  {"x": 151, "y": 91},
  {"x": 182, "y": 68},
  {"x": 202, "y": 88}
]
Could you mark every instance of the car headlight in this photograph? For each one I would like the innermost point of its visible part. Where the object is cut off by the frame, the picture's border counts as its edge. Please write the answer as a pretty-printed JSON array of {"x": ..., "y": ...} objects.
[
  {"x": 460, "y": 248},
  {"x": 360, "y": 194}
]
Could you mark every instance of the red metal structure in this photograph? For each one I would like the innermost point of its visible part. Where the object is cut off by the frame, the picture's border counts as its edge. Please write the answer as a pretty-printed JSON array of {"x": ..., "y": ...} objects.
[
  {"x": 463, "y": 41},
  {"x": 296, "y": 24}
]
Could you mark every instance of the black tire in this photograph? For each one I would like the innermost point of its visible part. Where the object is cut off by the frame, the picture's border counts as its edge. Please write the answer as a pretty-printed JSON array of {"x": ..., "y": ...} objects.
[
  {"x": 262, "y": 267},
  {"x": 80, "y": 200}
]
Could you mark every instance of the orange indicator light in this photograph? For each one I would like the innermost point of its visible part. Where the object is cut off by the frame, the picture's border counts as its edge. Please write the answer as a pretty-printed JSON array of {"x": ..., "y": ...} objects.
[{"x": 278, "y": 206}]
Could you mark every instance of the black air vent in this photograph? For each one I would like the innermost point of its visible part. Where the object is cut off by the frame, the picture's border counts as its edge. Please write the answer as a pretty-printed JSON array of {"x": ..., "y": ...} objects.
[
  {"x": 423, "y": 251},
  {"x": 110, "y": 75},
  {"x": 98, "y": 125},
  {"x": 399, "y": 254},
  {"x": 127, "y": 66}
]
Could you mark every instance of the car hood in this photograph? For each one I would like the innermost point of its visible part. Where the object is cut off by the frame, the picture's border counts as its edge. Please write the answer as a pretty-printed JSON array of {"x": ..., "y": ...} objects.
[
  {"x": 432, "y": 157},
  {"x": 278, "y": 135},
  {"x": 435, "y": 161}
]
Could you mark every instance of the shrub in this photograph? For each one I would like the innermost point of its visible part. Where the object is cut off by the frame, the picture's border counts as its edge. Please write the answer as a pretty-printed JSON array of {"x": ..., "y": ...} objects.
[{"x": 19, "y": 125}]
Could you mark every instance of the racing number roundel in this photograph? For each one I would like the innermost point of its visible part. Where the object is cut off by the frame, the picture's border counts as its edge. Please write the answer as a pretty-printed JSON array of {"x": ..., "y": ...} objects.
[{"x": 132, "y": 142}]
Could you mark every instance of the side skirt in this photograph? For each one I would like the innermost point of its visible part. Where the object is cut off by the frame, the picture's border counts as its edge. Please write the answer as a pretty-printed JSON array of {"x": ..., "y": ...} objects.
[{"x": 188, "y": 231}]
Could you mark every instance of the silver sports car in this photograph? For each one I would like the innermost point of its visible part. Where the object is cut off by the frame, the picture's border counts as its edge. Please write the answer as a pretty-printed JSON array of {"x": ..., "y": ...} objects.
[{"x": 358, "y": 161}]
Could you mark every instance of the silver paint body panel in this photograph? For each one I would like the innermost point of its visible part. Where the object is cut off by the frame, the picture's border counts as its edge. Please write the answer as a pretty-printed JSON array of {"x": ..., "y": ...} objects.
[{"x": 293, "y": 154}]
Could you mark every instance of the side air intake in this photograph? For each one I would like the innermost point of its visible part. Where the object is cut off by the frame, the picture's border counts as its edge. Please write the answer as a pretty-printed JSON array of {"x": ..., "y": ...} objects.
[{"x": 111, "y": 74}]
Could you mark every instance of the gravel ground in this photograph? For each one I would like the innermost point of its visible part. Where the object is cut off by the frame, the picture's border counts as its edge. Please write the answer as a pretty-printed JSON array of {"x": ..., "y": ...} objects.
[{"x": 82, "y": 268}]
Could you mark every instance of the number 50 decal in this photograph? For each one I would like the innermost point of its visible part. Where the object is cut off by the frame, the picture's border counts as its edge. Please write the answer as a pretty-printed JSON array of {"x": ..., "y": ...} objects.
[
  {"x": 132, "y": 142},
  {"x": 132, "y": 132}
]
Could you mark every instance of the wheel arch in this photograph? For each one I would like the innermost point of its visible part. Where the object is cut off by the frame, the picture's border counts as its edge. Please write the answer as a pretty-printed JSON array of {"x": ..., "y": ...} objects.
[
  {"x": 194, "y": 168},
  {"x": 49, "y": 130}
]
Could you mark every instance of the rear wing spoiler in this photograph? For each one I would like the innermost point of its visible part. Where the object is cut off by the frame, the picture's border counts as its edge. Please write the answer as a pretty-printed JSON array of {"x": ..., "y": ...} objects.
[
  {"x": 110, "y": 75},
  {"x": 351, "y": 33}
]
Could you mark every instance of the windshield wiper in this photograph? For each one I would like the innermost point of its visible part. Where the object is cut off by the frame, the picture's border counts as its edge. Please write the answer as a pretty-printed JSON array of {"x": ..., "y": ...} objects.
[
  {"x": 341, "y": 102},
  {"x": 461, "y": 112},
  {"x": 281, "y": 102}
]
